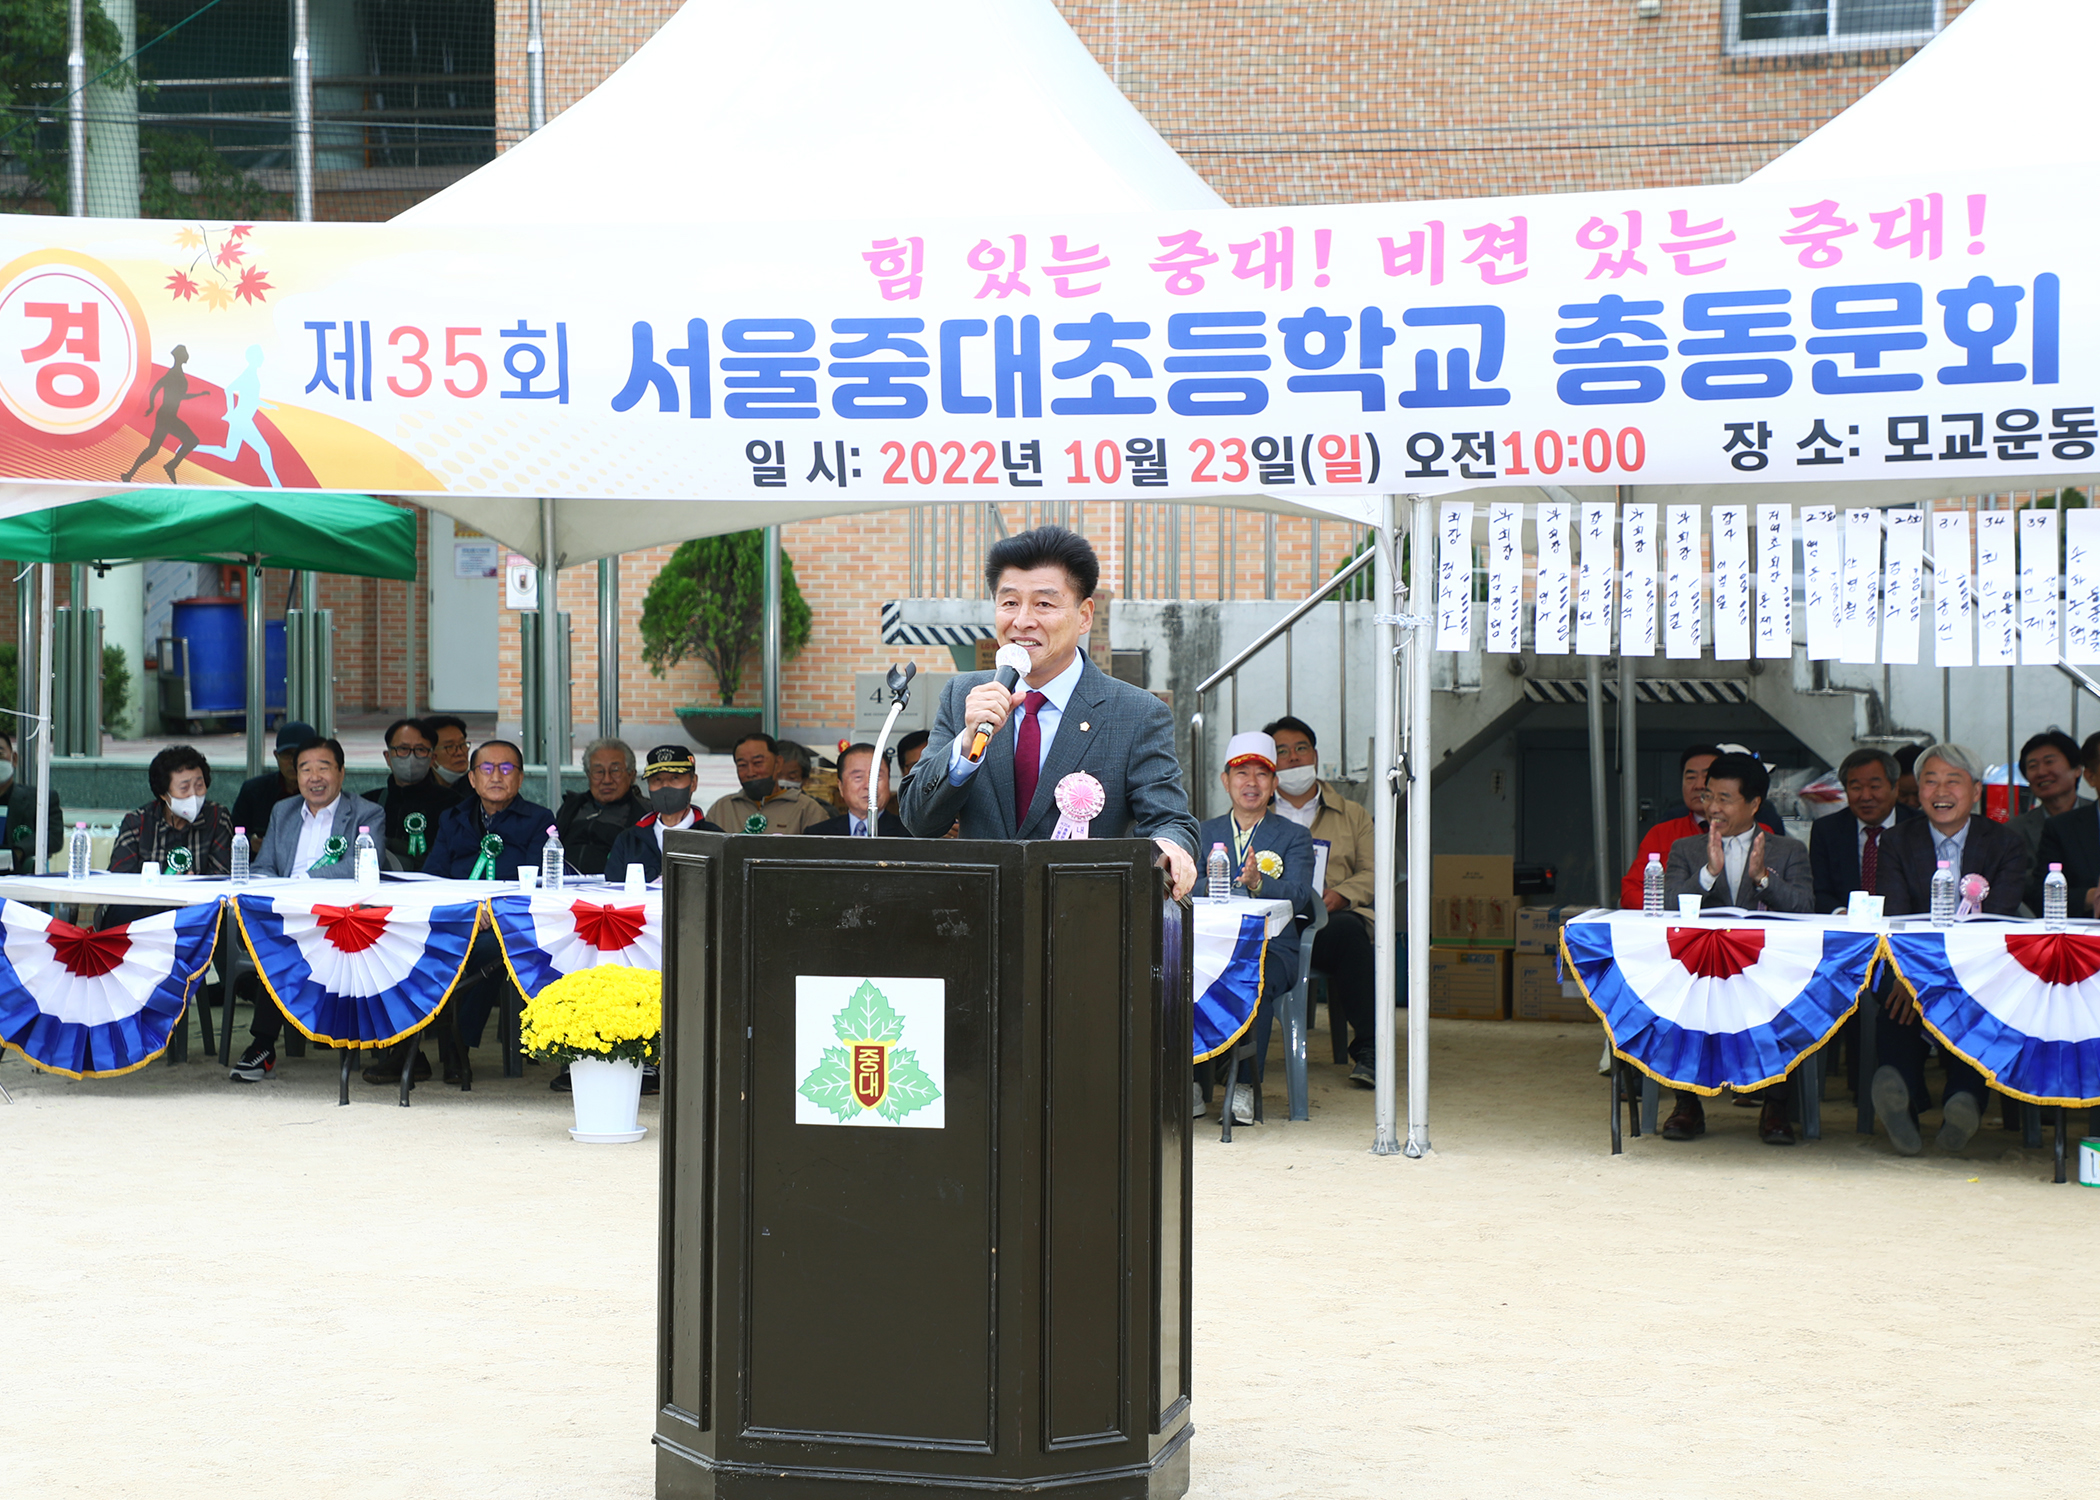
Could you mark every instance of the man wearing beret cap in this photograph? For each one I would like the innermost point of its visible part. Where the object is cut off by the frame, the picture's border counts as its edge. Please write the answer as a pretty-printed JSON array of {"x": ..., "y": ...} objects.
[{"x": 668, "y": 771}]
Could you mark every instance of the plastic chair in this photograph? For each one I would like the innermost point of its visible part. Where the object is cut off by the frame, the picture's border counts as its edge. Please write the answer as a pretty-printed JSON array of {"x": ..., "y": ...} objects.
[{"x": 1297, "y": 1020}]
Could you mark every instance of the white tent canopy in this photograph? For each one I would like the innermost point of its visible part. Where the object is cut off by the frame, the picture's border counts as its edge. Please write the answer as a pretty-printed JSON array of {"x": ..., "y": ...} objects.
[{"x": 2007, "y": 83}]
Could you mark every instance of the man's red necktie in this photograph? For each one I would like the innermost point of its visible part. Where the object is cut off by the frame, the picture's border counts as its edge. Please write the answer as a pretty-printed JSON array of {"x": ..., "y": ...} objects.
[
  {"x": 1870, "y": 862},
  {"x": 1028, "y": 758}
]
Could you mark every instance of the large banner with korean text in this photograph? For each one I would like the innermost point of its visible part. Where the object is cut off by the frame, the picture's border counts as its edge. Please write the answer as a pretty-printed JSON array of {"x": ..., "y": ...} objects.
[{"x": 1872, "y": 329}]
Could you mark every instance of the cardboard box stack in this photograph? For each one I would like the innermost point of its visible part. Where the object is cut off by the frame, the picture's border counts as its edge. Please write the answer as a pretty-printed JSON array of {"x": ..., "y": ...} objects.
[
  {"x": 1472, "y": 930},
  {"x": 1537, "y": 994}
]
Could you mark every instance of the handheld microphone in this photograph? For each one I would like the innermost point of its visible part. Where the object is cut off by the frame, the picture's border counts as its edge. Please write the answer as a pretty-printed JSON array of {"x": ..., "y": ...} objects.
[{"x": 1013, "y": 664}]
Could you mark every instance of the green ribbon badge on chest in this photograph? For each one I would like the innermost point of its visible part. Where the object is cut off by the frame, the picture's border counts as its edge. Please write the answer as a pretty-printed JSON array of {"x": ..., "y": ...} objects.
[
  {"x": 485, "y": 866},
  {"x": 756, "y": 823},
  {"x": 332, "y": 852},
  {"x": 416, "y": 825},
  {"x": 179, "y": 861}
]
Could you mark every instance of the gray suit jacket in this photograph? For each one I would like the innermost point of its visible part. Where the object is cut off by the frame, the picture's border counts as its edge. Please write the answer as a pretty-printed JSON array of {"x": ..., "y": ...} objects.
[
  {"x": 1120, "y": 735},
  {"x": 280, "y": 846},
  {"x": 1792, "y": 887}
]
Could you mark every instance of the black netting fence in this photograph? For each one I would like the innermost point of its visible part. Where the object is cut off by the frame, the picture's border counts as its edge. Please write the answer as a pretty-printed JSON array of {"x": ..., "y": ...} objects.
[{"x": 189, "y": 107}]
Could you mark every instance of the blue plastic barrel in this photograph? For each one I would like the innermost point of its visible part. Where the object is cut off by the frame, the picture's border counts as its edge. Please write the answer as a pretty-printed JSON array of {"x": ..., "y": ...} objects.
[
  {"x": 217, "y": 632},
  {"x": 273, "y": 667}
]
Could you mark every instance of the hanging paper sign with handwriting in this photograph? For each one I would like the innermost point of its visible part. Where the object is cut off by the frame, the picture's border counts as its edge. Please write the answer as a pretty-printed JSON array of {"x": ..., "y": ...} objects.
[
  {"x": 1731, "y": 549},
  {"x": 1859, "y": 601},
  {"x": 1995, "y": 578},
  {"x": 1593, "y": 598},
  {"x": 1637, "y": 592},
  {"x": 1821, "y": 546},
  {"x": 2082, "y": 587},
  {"x": 1454, "y": 576},
  {"x": 1505, "y": 609},
  {"x": 1550, "y": 629},
  {"x": 2038, "y": 631},
  {"x": 1775, "y": 582},
  {"x": 1903, "y": 584},
  {"x": 1953, "y": 641},
  {"x": 1681, "y": 609}
]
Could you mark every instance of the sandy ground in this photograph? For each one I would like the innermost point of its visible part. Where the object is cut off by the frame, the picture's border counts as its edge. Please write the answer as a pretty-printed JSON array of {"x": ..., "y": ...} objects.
[{"x": 218, "y": 1290}]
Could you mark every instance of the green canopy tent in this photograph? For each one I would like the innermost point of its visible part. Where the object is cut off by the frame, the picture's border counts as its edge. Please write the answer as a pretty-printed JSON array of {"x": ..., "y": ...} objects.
[{"x": 352, "y": 534}]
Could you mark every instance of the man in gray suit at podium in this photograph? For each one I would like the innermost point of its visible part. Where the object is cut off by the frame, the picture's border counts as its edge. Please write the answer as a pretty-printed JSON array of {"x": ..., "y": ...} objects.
[{"x": 1065, "y": 715}]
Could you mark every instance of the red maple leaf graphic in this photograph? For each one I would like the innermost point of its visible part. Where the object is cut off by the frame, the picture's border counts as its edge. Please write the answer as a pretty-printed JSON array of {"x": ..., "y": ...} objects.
[
  {"x": 230, "y": 252},
  {"x": 252, "y": 285},
  {"x": 181, "y": 286},
  {"x": 241, "y": 231}
]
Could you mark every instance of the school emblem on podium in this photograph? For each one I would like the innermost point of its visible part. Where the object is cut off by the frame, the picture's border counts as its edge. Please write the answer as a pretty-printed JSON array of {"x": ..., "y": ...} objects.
[{"x": 870, "y": 1051}]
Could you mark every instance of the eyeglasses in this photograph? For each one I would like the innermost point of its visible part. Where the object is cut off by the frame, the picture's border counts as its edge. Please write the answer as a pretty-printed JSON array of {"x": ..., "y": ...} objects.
[
  {"x": 606, "y": 773},
  {"x": 422, "y": 754},
  {"x": 494, "y": 768}
]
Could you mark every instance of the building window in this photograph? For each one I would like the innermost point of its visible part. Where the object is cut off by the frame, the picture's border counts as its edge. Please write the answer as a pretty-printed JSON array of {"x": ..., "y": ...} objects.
[{"x": 1767, "y": 27}]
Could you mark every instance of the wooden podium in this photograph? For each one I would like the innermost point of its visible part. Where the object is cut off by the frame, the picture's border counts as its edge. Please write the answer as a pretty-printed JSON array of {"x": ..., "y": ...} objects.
[{"x": 926, "y": 1172}]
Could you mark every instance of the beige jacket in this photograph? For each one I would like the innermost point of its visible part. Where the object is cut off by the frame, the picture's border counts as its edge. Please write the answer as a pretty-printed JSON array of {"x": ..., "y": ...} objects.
[
  {"x": 784, "y": 812},
  {"x": 1351, "y": 842}
]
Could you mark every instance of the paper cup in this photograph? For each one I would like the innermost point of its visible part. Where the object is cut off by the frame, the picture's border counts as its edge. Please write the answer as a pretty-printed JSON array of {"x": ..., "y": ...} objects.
[
  {"x": 149, "y": 872},
  {"x": 1688, "y": 907},
  {"x": 528, "y": 878},
  {"x": 634, "y": 883}
]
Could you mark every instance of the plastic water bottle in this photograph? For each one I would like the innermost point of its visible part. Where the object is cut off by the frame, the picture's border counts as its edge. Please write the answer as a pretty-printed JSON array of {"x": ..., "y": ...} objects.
[
  {"x": 1220, "y": 874},
  {"x": 551, "y": 861},
  {"x": 1652, "y": 887},
  {"x": 77, "y": 853},
  {"x": 367, "y": 857},
  {"x": 2056, "y": 899},
  {"x": 238, "y": 861},
  {"x": 1943, "y": 895}
]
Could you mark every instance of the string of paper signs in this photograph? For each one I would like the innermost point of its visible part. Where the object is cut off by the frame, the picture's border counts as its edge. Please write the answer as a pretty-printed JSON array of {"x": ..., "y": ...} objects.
[{"x": 1863, "y": 590}]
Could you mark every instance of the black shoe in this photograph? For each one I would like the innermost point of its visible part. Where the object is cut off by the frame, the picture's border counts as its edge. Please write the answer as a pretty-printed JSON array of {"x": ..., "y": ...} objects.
[
  {"x": 1773, "y": 1126},
  {"x": 560, "y": 1081},
  {"x": 1687, "y": 1122},
  {"x": 388, "y": 1069},
  {"x": 255, "y": 1064}
]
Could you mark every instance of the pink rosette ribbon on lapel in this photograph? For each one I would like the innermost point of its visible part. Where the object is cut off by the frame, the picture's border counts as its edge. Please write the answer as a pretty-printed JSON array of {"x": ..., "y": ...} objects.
[{"x": 1079, "y": 801}]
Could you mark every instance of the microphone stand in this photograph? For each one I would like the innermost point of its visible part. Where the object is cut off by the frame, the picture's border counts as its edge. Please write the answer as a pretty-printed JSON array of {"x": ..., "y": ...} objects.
[{"x": 900, "y": 694}]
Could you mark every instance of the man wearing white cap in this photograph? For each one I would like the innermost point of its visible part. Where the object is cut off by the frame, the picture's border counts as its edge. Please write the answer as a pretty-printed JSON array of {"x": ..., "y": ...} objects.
[{"x": 1275, "y": 860}]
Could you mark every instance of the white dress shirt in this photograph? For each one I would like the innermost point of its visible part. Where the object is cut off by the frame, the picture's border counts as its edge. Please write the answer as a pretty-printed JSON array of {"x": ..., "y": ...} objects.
[
  {"x": 1735, "y": 857},
  {"x": 1304, "y": 816},
  {"x": 314, "y": 831},
  {"x": 686, "y": 819},
  {"x": 1057, "y": 691}
]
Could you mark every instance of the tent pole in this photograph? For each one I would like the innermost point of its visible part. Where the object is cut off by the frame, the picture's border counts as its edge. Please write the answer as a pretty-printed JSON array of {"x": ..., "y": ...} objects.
[
  {"x": 1600, "y": 808},
  {"x": 76, "y": 114},
  {"x": 258, "y": 693},
  {"x": 608, "y": 648},
  {"x": 535, "y": 68},
  {"x": 1384, "y": 913},
  {"x": 552, "y": 687},
  {"x": 302, "y": 116},
  {"x": 771, "y": 638},
  {"x": 46, "y": 586},
  {"x": 1419, "y": 606}
]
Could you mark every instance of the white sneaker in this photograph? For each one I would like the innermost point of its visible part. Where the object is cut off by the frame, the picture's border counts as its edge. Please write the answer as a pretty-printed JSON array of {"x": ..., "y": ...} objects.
[
  {"x": 1196, "y": 1098},
  {"x": 1242, "y": 1104}
]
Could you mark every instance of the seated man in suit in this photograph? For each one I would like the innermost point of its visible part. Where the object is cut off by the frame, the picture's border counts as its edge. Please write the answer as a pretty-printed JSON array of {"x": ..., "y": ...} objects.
[
  {"x": 1067, "y": 715},
  {"x": 668, "y": 773},
  {"x": 1738, "y": 863},
  {"x": 2072, "y": 839},
  {"x": 2049, "y": 761},
  {"x": 854, "y": 761},
  {"x": 312, "y": 836},
  {"x": 1950, "y": 790},
  {"x": 1274, "y": 857},
  {"x": 1845, "y": 848}
]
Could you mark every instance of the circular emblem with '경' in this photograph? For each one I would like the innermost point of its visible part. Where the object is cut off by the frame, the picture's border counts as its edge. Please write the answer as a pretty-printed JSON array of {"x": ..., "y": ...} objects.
[{"x": 73, "y": 343}]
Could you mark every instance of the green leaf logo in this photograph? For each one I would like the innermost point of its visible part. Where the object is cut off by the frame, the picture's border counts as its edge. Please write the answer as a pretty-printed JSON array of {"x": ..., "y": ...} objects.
[{"x": 869, "y": 1070}]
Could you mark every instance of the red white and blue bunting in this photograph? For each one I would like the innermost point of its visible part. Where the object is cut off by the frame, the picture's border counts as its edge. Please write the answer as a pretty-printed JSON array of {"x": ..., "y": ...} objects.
[
  {"x": 358, "y": 974},
  {"x": 549, "y": 934},
  {"x": 98, "y": 1004},
  {"x": 1709, "y": 1006},
  {"x": 2023, "y": 1006},
  {"x": 1228, "y": 971}
]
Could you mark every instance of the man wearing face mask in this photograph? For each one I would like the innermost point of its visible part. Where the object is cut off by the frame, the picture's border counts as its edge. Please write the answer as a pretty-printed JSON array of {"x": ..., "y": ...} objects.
[
  {"x": 782, "y": 808},
  {"x": 18, "y": 817},
  {"x": 1342, "y": 952},
  {"x": 668, "y": 771},
  {"x": 414, "y": 799},
  {"x": 450, "y": 751}
]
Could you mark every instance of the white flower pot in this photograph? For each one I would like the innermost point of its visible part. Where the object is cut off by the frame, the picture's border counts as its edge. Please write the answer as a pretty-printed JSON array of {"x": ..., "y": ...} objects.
[{"x": 608, "y": 1098}]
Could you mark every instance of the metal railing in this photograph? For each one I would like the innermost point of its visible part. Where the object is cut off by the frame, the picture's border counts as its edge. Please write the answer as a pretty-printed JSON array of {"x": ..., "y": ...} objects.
[{"x": 1334, "y": 587}]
